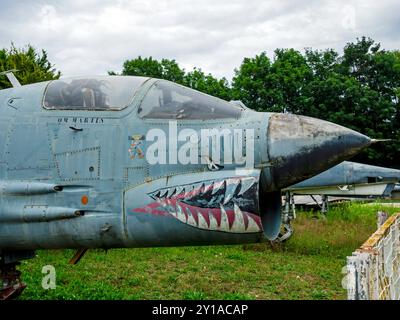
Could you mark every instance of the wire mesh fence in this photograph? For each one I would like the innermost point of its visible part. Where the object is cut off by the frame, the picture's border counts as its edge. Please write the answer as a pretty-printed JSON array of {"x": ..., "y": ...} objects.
[{"x": 373, "y": 271}]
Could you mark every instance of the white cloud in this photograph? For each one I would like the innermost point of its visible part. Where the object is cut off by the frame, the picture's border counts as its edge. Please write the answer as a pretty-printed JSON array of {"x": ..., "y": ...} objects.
[{"x": 92, "y": 37}]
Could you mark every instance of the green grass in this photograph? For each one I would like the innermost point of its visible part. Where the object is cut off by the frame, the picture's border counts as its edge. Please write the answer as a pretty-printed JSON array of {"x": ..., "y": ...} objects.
[{"x": 308, "y": 266}]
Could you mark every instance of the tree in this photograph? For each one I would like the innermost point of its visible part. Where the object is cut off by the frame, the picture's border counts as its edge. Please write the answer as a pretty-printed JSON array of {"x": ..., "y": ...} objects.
[
  {"x": 149, "y": 67},
  {"x": 276, "y": 86},
  {"x": 253, "y": 82},
  {"x": 359, "y": 89},
  {"x": 359, "y": 92},
  {"x": 290, "y": 74},
  {"x": 198, "y": 80},
  {"x": 170, "y": 70},
  {"x": 32, "y": 67},
  {"x": 325, "y": 87}
]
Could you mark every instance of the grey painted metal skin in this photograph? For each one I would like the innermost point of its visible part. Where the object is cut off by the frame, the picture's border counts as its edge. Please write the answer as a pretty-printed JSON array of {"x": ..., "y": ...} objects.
[
  {"x": 50, "y": 159},
  {"x": 349, "y": 174}
]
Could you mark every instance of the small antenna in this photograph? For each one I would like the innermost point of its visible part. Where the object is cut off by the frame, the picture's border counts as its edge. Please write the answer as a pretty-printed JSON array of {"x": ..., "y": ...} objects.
[{"x": 11, "y": 77}]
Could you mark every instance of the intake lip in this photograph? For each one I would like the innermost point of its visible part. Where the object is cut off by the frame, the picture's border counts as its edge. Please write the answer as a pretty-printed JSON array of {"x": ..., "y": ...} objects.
[{"x": 300, "y": 147}]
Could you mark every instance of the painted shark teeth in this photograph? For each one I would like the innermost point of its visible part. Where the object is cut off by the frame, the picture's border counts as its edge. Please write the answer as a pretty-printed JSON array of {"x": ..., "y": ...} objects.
[
  {"x": 231, "y": 189},
  {"x": 224, "y": 223},
  {"x": 221, "y": 205},
  {"x": 238, "y": 223},
  {"x": 253, "y": 226},
  {"x": 246, "y": 184},
  {"x": 180, "y": 215},
  {"x": 171, "y": 193},
  {"x": 218, "y": 187},
  {"x": 202, "y": 222},
  {"x": 190, "y": 220},
  {"x": 163, "y": 194},
  {"x": 228, "y": 197},
  {"x": 233, "y": 221},
  {"x": 213, "y": 223},
  {"x": 212, "y": 192},
  {"x": 179, "y": 189}
]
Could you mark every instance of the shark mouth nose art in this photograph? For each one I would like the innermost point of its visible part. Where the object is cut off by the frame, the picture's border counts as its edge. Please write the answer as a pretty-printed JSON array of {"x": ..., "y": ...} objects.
[{"x": 227, "y": 205}]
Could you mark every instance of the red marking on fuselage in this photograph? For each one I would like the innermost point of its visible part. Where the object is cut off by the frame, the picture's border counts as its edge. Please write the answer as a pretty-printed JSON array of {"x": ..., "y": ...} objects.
[
  {"x": 231, "y": 217},
  {"x": 256, "y": 219},
  {"x": 245, "y": 219},
  {"x": 163, "y": 207}
]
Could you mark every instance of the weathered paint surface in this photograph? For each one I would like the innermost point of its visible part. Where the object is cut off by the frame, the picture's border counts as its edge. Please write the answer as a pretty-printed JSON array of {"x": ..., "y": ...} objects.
[
  {"x": 89, "y": 154},
  {"x": 300, "y": 147},
  {"x": 78, "y": 178}
]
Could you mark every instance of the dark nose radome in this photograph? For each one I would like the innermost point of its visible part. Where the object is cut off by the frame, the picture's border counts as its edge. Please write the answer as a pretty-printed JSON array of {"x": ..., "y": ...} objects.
[{"x": 300, "y": 147}]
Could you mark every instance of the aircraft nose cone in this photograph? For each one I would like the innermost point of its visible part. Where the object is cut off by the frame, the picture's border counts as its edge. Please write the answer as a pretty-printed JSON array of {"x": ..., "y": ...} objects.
[{"x": 300, "y": 147}]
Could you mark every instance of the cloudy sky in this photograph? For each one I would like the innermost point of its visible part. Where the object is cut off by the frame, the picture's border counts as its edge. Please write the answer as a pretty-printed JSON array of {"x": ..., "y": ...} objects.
[{"x": 91, "y": 37}]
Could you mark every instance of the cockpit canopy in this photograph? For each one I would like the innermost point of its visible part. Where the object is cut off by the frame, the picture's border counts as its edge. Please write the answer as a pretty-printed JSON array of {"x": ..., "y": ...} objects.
[
  {"x": 164, "y": 99},
  {"x": 167, "y": 100},
  {"x": 97, "y": 93}
]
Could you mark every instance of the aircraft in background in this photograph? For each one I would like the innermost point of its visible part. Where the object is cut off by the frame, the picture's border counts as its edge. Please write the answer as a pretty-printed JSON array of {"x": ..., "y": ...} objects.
[
  {"x": 350, "y": 179},
  {"x": 345, "y": 180},
  {"x": 118, "y": 161}
]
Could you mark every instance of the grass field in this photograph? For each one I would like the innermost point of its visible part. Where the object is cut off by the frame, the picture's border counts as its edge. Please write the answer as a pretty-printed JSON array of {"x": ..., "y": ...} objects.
[{"x": 308, "y": 266}]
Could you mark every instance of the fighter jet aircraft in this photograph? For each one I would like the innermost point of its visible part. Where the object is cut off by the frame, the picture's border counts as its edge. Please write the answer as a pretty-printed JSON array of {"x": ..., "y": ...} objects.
[
  {"x": 118, "y": 161},
  {"x": 345, "y": 180},
  {"x": 350, "y": 179}
]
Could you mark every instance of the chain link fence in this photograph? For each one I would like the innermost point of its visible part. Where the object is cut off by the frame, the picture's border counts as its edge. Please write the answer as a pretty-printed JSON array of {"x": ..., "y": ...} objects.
[{"x": 373, "y": 271}]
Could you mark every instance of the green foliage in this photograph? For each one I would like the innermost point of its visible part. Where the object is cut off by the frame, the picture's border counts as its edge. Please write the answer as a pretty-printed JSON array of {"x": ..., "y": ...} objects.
[
  {"x": 149, "y": 67},
  {"x": 198, "y": 80},
  {"x": 252, "y": 83},
  {"x": 32, "y": 67},
  {"x": 359, "y": 90},
  {"x": 275, "y": 86},
  {"x": 170, "y": 70}
]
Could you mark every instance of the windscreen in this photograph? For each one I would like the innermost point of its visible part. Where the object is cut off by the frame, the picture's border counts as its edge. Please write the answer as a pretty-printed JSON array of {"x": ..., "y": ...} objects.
[
  {"x": 98, "y": 93},
  {"x": 167, "y": 100}
]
